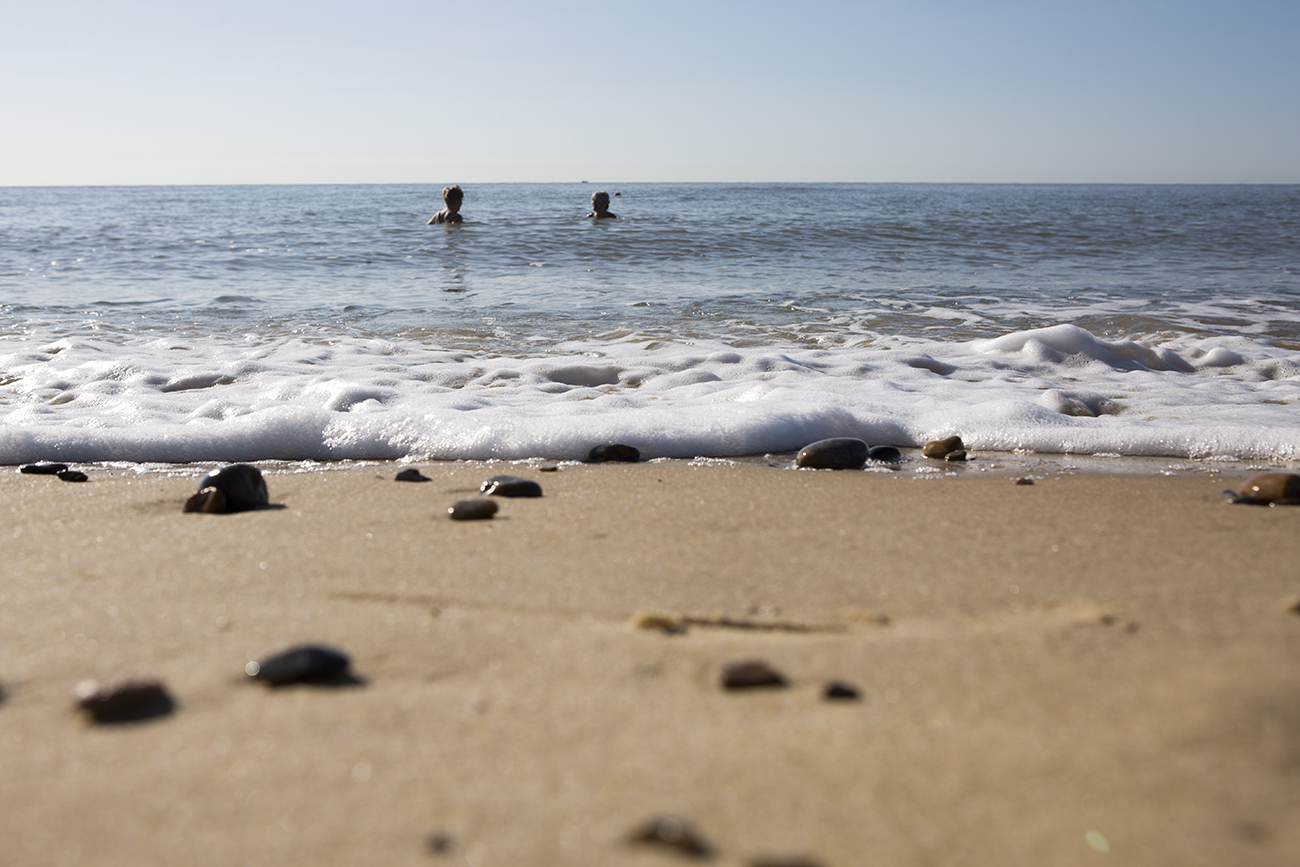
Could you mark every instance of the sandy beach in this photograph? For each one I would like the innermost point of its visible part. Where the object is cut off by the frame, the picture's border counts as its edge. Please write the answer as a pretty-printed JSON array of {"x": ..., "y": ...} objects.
[{"x": 1093, "y": 666}]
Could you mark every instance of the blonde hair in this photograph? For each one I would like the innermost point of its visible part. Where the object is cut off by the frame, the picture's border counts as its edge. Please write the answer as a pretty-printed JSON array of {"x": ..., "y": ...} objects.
[{"x": 453, "y": 192}]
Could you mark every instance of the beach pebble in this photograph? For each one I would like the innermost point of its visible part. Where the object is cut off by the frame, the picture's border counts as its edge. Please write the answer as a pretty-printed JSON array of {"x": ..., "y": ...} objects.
[
  {"x": 306, "y": 663},
  {"x": 73, "y": 476},
  {"x": 43, "y": 468},
  {"x": 838, "y": 453},
  {"x": 472, "y": 510},
  {"x": 438, "y": 843},
  {"x": 411, "y": 475},
  {"x": 941, "y": 449},
  {"x": 241, "y": 487},
  {"x": 751, "y": 674},
  {"x": 671, "y": 833},
  {"x": 123, "y": 699},
  {"x": 1268, "y": 489},
  {"x": 838, "y": 690},
  {"x": 510, "y": 486},
  {"x": 1024, "y": 481},
  {"x": 614, "y": 452},
  {"x": 885, "y": 454}
]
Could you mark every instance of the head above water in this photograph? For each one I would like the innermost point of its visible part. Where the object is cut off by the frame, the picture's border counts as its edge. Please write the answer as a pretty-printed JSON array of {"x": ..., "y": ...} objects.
[
  {"x": 453, "y": 195},
  {"x": 600, "y": 201}
]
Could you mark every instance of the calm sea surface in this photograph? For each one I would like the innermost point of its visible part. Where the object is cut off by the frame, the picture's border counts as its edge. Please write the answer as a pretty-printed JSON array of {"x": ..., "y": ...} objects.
[{"x": 328, "y": 322}]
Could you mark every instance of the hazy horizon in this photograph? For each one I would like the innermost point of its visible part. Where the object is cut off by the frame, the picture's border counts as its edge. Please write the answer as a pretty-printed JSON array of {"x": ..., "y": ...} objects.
[{"x": 145, "y": 93}]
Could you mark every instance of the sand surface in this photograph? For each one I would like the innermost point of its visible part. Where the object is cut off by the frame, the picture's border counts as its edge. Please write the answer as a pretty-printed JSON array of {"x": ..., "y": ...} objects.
[{"x": 1090, "y": 668}]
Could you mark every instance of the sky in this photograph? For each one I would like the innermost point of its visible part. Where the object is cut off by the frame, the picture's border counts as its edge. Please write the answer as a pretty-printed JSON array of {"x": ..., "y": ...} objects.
[{"x": 398, "y": 91}]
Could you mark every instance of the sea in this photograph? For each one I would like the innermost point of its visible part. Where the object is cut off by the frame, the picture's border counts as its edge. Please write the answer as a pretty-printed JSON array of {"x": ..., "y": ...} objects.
[{"x": 171, "y": 325}]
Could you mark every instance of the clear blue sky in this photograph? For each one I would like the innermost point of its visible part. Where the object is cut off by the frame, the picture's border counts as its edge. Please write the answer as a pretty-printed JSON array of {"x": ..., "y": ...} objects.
[{"x": 427, "y": 91}]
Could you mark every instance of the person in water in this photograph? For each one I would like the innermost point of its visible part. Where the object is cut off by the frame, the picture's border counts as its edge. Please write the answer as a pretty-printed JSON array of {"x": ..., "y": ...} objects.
[
  {"x": 600, "y": 207},
  {"x": 451, "y": 197}
]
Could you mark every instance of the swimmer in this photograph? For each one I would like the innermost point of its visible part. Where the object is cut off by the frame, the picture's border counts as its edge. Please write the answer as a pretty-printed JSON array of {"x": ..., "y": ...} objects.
[
  {"x": 451, "y": 197},
  {"x": 600, "y": 207}
]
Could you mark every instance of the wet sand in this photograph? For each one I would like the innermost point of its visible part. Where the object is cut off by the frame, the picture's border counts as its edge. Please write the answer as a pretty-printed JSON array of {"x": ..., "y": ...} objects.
[{"x": 1091, "y": 664}]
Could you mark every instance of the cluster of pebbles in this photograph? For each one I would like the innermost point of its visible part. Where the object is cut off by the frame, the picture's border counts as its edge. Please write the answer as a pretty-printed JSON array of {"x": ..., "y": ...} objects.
[{"x": 241, "y": 487}]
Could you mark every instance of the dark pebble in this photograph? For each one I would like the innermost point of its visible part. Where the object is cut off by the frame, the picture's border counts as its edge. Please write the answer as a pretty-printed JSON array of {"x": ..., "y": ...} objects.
[
  {"x": 838, "y": 690},
  {"x": 307, "y": 663},
  {"x": 615, "y": 452},
  {"x": 955, "y": 455},
  {"x": 240, "y": 485},
  {"x": 438, "y": 843},
  {"x": 885, "y": 454},
  {"x": 751, "y": 674},
  {"x": 207, "y": 500},
  {"x": 940, "y": 449},
  {"x": 411, "y": 475},
  {"x": 73, "y": 476},
  {"x": 510, "y": 486},
  {"x": 472, "y": 510},
  {"x": 1267, "y": 489},
  {"x": 123, "y": 699},
  {"x": 1025, "y": 481},
  {"x": 42, "y": 468},
  {"x": 839, "y": 453},
  {"x": 669, "y": 832}
]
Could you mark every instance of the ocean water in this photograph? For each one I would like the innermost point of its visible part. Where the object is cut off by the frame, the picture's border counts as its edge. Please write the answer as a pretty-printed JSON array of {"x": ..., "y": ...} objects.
[{"x": 323, "y": 323}]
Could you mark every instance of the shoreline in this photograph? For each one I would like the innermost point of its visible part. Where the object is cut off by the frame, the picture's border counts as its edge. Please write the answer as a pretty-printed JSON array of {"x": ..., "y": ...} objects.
[{"x": 1096, "y": 662}]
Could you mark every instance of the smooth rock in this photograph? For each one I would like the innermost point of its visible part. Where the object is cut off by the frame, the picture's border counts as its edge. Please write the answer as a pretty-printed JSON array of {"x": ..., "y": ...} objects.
[
  {"x": 940, "y": 449},
  {"x": 751, "y": 674},
  {"x": 241, "y": 486},
  {"x": 72, "y": 476},
  {"x": 885, "y": 454},
  {"x": 123, "y": 699},
  {"x": 42, "y": 468},
  {"x": 838, "y": 453},
  {"x": 510, "y": 486},
  {"x": 411, "y": 475},
  {"x": 1268, "y": 489},
  {"x": 306, "y": 663},
  {"x": 1024, "y": 481},
  {"x": 838, "y": 690},
  {"x": 208, "y": 500},
  {"x": 955, "y": 455},
  {"x": 614, "y": 452},
  {"x": 671, "y": 833},
  {"x": 472, "y": 510}
]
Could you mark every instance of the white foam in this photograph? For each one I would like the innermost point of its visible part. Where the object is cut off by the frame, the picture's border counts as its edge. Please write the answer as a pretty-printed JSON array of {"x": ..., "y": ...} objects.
[{"x": 1059, "y": 389}]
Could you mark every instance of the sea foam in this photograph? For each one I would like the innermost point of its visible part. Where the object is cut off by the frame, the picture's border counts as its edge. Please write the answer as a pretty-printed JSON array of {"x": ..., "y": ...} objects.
[{"x": 1058, "y": 390}]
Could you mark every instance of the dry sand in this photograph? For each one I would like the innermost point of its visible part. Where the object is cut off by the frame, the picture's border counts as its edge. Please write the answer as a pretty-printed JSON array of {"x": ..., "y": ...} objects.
[{"x": 1088, "y": 668}]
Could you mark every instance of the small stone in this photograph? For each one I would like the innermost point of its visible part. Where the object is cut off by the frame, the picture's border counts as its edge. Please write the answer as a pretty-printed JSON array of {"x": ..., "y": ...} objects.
[
  {"x": 940, "y": 449},
  {"x": 208, "y": 500},
  {"x": 955, "y": 455},
  {"x": 306, "y": 663},
  {"x": 73, "y": 476},
  {"x": 671, "y": 833},
  {"x": 42, "y": 468},
  {"x": 438, "y": 843},
  {"x": 885, "y": 454},
  {"x": 510, "y": 486},
  {"x": 751, "y": 674},
  {"x": 615, "y": 452},
  {"x": 1025, "y": 481},
  {"x": 549, "y": 468},
  {"x": 1267, "y": 489},
  {"x": 123, "y": 699},
  {"x": 472, "y": 510},
  {"x": 838, "y": 453},
  {"x": 838, "y": 690},
  {"x": 241, "y": 487},
  {"x": 411, "y": 475}
]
